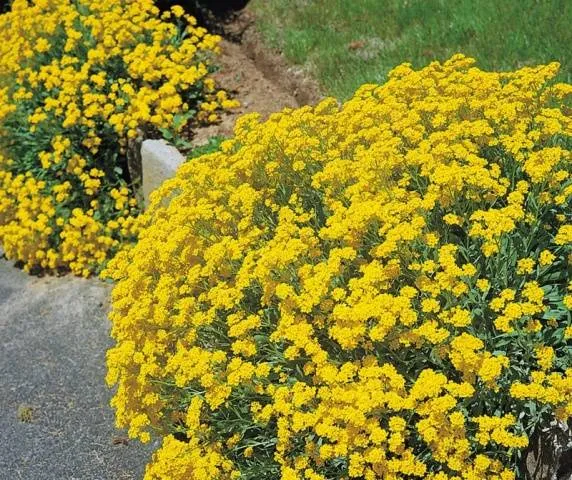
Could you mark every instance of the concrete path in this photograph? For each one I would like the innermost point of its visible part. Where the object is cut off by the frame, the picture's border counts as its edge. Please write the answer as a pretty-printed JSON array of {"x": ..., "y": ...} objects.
[{"x": 55, "y": 422}]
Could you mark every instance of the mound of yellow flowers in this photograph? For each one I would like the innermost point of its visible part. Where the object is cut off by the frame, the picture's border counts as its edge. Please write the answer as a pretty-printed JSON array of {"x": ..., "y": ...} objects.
[
  {"x": 77, "y": 78},
  {"x": 378, "y": 289}
]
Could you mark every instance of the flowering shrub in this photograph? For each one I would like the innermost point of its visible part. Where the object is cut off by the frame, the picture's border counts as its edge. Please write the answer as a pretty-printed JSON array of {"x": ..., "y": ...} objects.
[
  {"x": 373, "y": 290},
  {"x": 77, "y": 79}
]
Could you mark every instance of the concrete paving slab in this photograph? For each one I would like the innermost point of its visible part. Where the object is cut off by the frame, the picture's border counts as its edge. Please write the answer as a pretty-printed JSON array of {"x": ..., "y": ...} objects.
[{"x": 55, "y": 419}]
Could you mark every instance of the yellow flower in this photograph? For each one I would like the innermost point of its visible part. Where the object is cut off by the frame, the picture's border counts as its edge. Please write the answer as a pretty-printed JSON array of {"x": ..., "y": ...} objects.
[
  {"x": 544, "y": 357},
  {"x": 525, "y": 266},
  {"x": 546, "y": 258},
  {"x": 177, "y": 10},
  {"x": 483, "y": 284},
  {"x": 248, "y": 452}
]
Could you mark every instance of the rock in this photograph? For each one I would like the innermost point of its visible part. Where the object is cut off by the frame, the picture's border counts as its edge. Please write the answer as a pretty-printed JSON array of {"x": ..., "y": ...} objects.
[
  {"x": 549, "y": 455},
  {"x": 159, "y": 162}
]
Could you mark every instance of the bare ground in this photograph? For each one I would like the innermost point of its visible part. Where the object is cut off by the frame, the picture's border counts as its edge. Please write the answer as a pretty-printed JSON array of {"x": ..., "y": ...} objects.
[{"x": 258, "y": 77}]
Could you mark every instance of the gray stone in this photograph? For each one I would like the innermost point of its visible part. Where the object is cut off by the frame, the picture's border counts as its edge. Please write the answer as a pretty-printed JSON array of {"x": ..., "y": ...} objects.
[
  {"x": 55, "y": 418},
  {"x": 159, "y": 163}
]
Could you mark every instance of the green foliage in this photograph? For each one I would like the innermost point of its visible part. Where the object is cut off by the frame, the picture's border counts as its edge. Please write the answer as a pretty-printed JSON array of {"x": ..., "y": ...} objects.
[{"x": 211, "y": 146}]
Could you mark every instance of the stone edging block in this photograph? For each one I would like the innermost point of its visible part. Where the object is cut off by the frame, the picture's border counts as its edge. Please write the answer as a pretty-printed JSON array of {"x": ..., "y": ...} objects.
[{"x": 159, "y": 161}]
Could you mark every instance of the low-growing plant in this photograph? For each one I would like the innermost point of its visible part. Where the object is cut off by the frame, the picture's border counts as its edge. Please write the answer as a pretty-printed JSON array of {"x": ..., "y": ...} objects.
[
  {"x": 78, "y": 79},
  {"x": 213, "y": 144},
  {"x": 378, "y": 289}
]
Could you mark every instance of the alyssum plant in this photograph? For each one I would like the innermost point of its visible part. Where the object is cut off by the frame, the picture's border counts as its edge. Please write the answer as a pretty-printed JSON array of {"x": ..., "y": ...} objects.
[
  {"x": 374, "y": 290},
  {"x": 77, "y": 79}
]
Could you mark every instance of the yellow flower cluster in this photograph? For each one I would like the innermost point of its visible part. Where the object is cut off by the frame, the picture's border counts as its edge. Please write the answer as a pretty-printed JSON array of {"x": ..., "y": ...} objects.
[
  {"x": 32, "y": 232},
  {"x": 377, "y": 289},
  {"x": 77, "y": 80}
]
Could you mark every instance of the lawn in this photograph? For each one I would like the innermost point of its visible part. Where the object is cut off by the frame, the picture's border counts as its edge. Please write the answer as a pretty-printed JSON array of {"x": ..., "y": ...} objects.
[{"x": 345, "y": 43}]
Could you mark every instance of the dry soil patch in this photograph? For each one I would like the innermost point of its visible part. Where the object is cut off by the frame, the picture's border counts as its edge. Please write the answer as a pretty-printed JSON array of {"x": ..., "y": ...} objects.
[{"x": 258, "y": 77}]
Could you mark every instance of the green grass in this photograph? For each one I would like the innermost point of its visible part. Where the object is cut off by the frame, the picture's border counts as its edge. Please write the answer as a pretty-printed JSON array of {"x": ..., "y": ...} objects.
[{"x": 345, "y": 43}]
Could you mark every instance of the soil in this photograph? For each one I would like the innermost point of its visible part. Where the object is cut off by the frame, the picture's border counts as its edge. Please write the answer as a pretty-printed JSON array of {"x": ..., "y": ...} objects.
[{"x": 257, "y": 76}]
